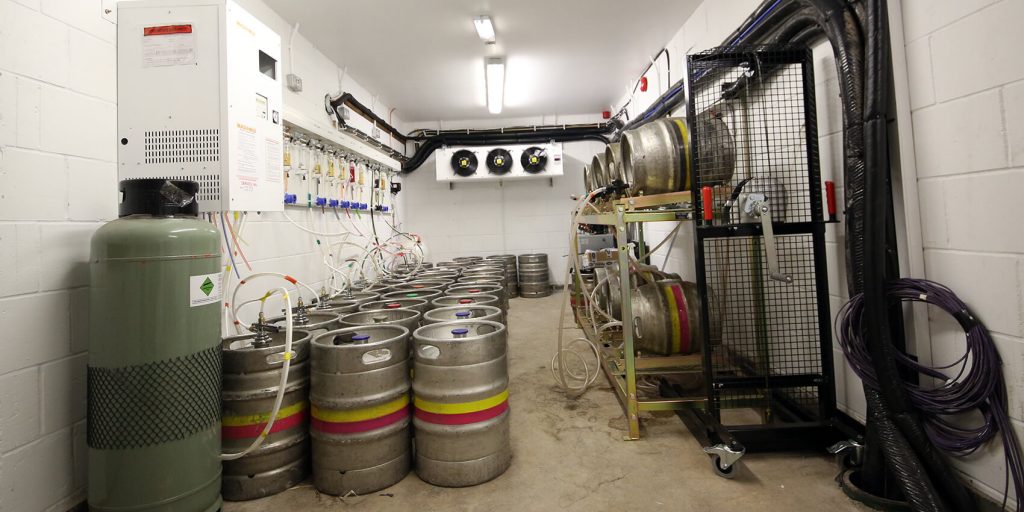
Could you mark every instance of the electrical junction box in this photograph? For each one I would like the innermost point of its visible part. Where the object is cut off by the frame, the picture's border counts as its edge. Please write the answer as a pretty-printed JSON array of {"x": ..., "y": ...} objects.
[
  {"x": 494, "y": 163},
  {"x": 294, "y": 82},
  {"x": 199, "y": 97}
]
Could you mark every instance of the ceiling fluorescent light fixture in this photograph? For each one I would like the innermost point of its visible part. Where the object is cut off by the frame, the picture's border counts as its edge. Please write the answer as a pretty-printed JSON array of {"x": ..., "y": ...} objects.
[
  {"x": 494, "y": 68},
  {"x": 484, "y": 28}
]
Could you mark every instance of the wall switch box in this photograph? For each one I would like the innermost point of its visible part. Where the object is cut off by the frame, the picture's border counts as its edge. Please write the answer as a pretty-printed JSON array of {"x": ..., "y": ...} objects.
[{"x": 294, "y": 82}]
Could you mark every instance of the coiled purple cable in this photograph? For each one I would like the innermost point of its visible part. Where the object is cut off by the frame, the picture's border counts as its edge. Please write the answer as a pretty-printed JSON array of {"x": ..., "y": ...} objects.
[{"x": 976, "y": 383}]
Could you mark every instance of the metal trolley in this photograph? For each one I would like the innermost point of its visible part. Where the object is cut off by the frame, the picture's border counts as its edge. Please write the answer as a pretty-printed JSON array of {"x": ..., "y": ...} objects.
[
  {"x": 619, "y": 360},
  {"x": 760, "y": 260}
]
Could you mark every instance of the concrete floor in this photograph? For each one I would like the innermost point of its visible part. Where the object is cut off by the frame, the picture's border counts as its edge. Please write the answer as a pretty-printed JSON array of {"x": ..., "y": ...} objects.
[{"x": 569, "y": 455}]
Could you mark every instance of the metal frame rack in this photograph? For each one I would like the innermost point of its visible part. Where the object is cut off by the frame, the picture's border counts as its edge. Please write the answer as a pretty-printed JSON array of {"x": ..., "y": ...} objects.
[{"x": 619, "y": 361}]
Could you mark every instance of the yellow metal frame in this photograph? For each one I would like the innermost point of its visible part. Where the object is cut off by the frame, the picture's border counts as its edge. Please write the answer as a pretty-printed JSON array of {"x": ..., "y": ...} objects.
[{"x": 620, "y": 363}]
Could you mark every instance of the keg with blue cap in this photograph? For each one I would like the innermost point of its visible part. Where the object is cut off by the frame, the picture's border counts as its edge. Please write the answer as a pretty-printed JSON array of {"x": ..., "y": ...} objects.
[
  {"x": 461, "y": 411},
  {"x": 360, "y": 409}
]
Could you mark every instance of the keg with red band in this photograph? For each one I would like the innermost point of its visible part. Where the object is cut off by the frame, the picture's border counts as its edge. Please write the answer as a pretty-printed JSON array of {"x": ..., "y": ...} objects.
[
  {"x": 250, "y": 426},
  {"x": 463, "y": 413},
  {"x": 353, "y": 421}
]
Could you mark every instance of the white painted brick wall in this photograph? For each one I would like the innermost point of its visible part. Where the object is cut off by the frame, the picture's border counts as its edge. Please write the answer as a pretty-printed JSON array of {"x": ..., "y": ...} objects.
[
  {"x": 967, "y": 98},
  {"x": 58, "y": 179}
]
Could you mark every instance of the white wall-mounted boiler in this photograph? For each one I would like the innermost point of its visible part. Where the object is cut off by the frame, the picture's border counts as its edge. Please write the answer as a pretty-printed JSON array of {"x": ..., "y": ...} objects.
[
  {"x": 493, "y": 163},
  {"x": 199, "y": 97}
]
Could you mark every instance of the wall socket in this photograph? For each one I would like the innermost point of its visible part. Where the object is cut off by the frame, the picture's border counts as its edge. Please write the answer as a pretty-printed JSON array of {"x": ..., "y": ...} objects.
[{"x": 294, "y": 82}]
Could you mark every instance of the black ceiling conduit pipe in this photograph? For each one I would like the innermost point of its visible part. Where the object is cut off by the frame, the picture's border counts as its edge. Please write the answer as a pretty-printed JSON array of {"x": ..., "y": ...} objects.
[{"x": 430, "y": 143}]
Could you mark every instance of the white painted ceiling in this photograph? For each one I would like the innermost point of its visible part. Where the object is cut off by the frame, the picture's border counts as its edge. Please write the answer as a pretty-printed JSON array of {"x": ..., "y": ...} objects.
[{"x": 424, "y": 57}]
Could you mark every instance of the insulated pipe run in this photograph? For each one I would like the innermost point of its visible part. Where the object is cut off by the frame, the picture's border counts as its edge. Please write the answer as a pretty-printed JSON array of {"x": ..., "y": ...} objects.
[
  {"x": 949, "y": 493},
  {"x": 347, "y": 99}
]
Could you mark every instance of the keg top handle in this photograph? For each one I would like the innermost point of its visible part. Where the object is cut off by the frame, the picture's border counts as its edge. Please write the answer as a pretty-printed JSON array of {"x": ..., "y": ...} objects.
[
  {"x": 361, "y": 336},
  {"x": 379, "y": 316},
  {"x": 458, "y": 330}
]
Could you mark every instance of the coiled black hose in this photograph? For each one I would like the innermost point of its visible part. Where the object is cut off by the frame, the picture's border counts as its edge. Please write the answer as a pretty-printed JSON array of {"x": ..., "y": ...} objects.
[
  {"x": 974, "y": 382},
  {"x": 945, "y": 489}
]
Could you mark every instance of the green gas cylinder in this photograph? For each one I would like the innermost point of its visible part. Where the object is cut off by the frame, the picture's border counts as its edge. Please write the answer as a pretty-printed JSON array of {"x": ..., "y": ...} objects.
[{"x": 154, "y": 354}]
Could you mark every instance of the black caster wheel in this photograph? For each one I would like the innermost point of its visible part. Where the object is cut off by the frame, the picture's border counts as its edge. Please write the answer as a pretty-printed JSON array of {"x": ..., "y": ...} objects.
[{"x": 716, "y": 464}]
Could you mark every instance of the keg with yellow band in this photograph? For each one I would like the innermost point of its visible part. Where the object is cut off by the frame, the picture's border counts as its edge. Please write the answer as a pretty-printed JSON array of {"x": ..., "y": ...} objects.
[
  {"x": 461, "y": 413},
  {"x": 249, "y": 426},
  {"x": 352, "y": 421},
  {"x": 681, "y": 342},
  {"x": 684, "y": 143}
]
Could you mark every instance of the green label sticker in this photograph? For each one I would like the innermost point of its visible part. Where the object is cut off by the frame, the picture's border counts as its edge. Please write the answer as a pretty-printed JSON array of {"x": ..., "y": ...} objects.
[
  {"x": 204, "y": 289},
  {"x": 207, "y": 286}
]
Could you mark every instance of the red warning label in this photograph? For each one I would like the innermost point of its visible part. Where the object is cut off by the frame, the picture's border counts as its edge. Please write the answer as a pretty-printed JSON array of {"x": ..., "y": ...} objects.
[{"x": 167, "y": 30}]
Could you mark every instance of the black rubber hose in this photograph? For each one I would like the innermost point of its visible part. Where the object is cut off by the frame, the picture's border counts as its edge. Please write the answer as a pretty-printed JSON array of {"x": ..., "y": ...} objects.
[
  {"x": 843, "y": 31},
  {"x": 920, "y": 493},
  {"x": 800, "y": 21},
  {"x": 951, "y": 495}
]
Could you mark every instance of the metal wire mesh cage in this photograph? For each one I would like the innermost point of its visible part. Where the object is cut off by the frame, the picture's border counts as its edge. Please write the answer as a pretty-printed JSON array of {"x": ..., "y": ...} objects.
[
  {"x": 756, "y": 104},
  {"x": 755, "y": 160}
]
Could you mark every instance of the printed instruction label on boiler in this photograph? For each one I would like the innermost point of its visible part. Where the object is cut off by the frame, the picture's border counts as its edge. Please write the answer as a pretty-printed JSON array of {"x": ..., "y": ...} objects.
[
  {"x": 168, "y": 45},
  {"x": 204, "y": 289}
]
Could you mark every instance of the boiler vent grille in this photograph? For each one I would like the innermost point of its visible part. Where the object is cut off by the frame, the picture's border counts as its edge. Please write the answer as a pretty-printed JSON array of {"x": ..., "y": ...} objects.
[{"x": 182, "y": 146}]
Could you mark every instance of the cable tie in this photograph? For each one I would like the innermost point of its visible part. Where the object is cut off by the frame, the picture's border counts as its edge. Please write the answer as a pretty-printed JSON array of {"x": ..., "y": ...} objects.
[{"x": 966, "y": 319}]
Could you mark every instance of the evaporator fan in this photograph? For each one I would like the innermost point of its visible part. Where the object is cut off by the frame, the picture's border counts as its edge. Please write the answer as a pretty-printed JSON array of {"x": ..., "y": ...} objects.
[
  {"x": 464, "y": 162},
  {"x": 534, "y": 159},
  {"x": 499, "y": 161}
]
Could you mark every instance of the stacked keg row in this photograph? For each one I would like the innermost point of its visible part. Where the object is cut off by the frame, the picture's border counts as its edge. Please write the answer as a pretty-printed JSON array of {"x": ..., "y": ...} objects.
[
  {"x": 655, "y": 158},
  {"x": 508, "y": 261},
  {"x": 534, "y": 276},
  {"x": 348, "y": 412}
]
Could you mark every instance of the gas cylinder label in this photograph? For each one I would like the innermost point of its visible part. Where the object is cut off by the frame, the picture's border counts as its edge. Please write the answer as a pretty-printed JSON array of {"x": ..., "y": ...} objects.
[{"x": 205, "y": 289}]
